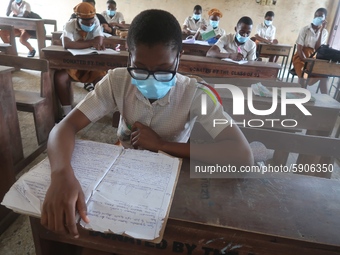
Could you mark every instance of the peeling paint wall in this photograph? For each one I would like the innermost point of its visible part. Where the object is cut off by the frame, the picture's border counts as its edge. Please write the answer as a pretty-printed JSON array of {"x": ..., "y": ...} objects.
[{"x": 290, "y": 15}]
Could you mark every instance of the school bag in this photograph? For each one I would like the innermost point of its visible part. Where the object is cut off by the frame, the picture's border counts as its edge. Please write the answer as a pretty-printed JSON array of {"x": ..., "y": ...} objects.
[{"x": 327, "y": 53}]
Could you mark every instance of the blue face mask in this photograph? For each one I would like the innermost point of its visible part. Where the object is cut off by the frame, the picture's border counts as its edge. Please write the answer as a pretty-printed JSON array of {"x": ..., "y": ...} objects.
[
  {"x": 111, "y": 13},
  {"x": 153, "y": 89},
  {"x": 196, "y": 16},
  {"x": 87, "y": 28},
  {"x": 18, "y": 1},
  {"x": 317, "y": 21},
  {"x": 268, "y": 22},
  {"x": 214, "y": 23},
  {"x": 241, "y": 39}
]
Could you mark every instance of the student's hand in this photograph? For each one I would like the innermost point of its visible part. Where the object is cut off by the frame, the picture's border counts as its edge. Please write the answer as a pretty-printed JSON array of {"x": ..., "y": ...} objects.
[
  {"x": 204, "y": 27},
  {"x": 218, "y": 36},
  {"x": 63, "y": 198},
  {"x": 236, "y": 56},
  {"x": 186, "y": 31},
  {"x": 144, "y": 137},
  {"x": 324, "y": 24},
  {"x": 107, "y": 28},
  {"x": 99, "y": 46}
]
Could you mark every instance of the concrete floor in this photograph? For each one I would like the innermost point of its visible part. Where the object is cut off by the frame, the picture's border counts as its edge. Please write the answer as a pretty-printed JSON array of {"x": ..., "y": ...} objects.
[{"x": 17, "y": 239}]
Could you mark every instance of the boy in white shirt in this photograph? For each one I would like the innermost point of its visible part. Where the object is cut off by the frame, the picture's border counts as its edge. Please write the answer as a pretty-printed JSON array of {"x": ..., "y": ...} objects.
[
  {"x": 266, "y": 33},
  {"x": 114, "y": 18},
  {"x": 236, "y": 46}
]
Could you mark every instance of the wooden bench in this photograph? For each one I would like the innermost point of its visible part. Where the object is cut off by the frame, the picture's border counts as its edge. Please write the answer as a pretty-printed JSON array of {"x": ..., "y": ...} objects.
[
  {"x": 9, "y": 48},
  {"x": 39, "y": 103}
]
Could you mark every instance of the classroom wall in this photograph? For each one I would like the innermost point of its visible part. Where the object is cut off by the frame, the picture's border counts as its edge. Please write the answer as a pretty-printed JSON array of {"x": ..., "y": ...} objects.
[{"x": 290, "y": 15}]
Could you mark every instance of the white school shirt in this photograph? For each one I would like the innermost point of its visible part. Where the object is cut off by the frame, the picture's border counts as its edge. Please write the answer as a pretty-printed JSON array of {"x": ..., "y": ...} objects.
[
  {"x": 71, "y": 29},
  {"x": 227, "y": 44},
  {"x": 192, "y": 25},
  {"x": 265, "y": 32},
  {"x": 19, "y": 10},
  {"x": 308, "y": 38},
  {"x": 171, "y": 117},
  {"x": 117, "y": 18}
]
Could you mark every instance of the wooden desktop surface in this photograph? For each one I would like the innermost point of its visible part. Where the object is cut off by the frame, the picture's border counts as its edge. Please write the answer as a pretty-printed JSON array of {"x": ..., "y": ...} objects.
[
  {"x": 322, "y": 67},
  {"x": 290, "y": 214},
  {"x": 60, "y": 58}
]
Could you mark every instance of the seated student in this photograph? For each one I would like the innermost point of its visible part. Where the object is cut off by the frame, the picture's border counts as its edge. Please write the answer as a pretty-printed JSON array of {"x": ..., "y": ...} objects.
[
  {"x": 161, "y": 106},
  {"x": 310, "y": 38},
  {"x": 82, "y": 32},
  {"x": 214, "y": 19},
  {"x": 106, "y": 27},
  {"x": 266, "y": 33},
  {"x": 114, "y": 18},
  {"x": 21, "y": 9},
  {"x": 236, "y": 46},
  {"x": 194, "y": 22}
]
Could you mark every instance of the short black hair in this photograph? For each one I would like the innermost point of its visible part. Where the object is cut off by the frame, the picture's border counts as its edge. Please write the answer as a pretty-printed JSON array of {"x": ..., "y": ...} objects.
[
  {"x": 111, "y": 2},
  {"x": 198, "y": 7},
  {"x": 269, "y": 14},
  {"x": 89, "y": 1},
  {"x": 245, "y": 20},
  {"x": 152, "y": 27},
  {"x": 324, "y": 10}
]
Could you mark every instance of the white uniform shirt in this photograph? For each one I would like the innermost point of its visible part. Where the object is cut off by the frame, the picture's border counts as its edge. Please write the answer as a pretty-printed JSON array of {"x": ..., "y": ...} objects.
[
  {"x": 71, "y": 29},
  {"x": 265, "y": 32},
  {"x": 192, "y": 25},
  {"x": 19, "y": 10},
  {"x": 227, "y": 44},
  {"x": 117, "y": 18},
  {"x": 308, "y": 38},
  {"x": 172, "y": 117}
]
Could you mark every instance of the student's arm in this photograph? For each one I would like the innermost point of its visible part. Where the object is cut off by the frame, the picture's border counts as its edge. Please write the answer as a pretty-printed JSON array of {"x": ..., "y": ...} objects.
[
  {"x": 320, "y": 39},
  {"x": 64, "y": 196},
  {"x": 96, "y": 42},
  {"x": 230, "y": 146},
  {"x": 300, "y": 52},
  {"x": 214, "y": 52},
  {"x": 261, "y": 39},
  {"x": 9, "y": 8}
]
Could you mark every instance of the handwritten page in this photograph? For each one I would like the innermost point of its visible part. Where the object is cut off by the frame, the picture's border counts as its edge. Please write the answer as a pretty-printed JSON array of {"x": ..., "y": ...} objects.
[
  {"x": 127, "y": 191},
  {"x": 233, "y": 61},
  {"x": 90, "y": 162},
  {"x": 134, "y": 197},
  {"x": 89, "y": 51}
]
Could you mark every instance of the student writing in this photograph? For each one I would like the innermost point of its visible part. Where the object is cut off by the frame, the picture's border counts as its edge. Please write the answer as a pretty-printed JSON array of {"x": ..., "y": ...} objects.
[{"x": 236, "y": 46}]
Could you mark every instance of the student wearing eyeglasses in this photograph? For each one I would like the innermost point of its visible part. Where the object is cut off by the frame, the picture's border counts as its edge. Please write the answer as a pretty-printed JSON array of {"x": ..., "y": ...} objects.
[{"x": 158, "y": 108}]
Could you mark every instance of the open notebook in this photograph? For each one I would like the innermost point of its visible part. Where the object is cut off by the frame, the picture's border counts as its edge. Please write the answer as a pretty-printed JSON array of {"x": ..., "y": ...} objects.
[
  {"x": 89, "y": 51},
  {"x": 127, "y": 191}
]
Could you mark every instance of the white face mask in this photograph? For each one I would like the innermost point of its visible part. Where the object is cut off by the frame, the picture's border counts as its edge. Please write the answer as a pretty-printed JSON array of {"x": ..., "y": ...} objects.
[{"x": 268, "y": 22}]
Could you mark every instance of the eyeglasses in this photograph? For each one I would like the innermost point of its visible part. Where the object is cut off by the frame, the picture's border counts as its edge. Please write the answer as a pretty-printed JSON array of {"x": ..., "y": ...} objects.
[{"x": 159, "y": 75}]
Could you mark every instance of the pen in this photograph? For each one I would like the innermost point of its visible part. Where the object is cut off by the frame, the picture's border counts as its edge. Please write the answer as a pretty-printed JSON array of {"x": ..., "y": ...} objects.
[{"x": 239, "y": 49}]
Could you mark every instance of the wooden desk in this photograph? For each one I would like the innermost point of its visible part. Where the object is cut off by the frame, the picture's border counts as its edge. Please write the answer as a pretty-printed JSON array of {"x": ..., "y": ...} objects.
[
  {"x": 109, "y": 42},
  {"x": 325, "y": 111},
  {"x": 195, "y": 49},
  {"x": 60, "y": 58},
  {"x": 322, "y": 68},
  {"x": 282, "y": 50},
  {"x": 11, "y": 150},
  {"x": 28, "y": 24},
  {"x": 293, "y": 214}
]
